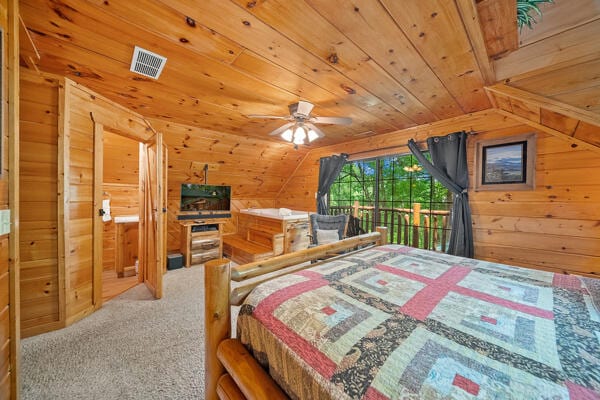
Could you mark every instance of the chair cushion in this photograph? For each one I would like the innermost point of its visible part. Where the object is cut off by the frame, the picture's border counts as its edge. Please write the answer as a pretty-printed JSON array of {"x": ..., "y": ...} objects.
[{"x": 327, "y": 236}]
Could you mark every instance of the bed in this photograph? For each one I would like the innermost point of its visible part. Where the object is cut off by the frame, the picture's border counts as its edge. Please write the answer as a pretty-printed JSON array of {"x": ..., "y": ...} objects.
[{"x": 394, "y": 322}]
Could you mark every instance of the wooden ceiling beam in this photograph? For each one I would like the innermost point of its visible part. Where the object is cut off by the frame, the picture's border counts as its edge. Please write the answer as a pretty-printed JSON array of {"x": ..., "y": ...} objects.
[
  {"x": 470, "y": 18},
  {"x": 561, "y": 50}
]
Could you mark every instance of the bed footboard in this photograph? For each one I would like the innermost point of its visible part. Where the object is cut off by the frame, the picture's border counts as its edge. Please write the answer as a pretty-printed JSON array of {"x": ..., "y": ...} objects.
[{"x": 227, "y": 362}]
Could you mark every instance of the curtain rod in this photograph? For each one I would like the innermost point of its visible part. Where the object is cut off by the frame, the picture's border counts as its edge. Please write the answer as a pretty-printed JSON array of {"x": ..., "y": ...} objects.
[{"x": 353, "y": 156}]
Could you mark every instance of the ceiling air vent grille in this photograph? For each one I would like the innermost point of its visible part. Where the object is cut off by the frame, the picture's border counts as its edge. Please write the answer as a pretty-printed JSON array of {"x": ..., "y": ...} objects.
[{"x": 147, "y": 63}]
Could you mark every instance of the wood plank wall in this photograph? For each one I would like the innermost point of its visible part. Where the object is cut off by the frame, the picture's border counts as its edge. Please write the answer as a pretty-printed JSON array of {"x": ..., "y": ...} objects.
[
  {"x": 80, "y": 209},
  {"x": 555, "y": 227},
  {"x": 256, "y": 169},
  {"x": 120, "y": 185},
  {"x": 40, "y": 294},
  {"x": 9, "y": 196}
]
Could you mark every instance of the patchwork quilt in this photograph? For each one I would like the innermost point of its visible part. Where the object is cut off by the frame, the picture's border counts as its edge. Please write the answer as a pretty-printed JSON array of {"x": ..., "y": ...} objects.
[{"x": 395, "y": 322}]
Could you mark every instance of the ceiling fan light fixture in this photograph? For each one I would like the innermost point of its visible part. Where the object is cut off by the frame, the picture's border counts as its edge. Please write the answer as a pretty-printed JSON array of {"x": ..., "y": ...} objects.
[
  {"x": 287, "y": 135},
  {"x": 299, "y": 135},
  {"x": 312, "y": 135}
]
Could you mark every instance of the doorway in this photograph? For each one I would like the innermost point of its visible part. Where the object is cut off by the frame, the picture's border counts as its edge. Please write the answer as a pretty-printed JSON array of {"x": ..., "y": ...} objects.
[{"x": 120, "y": 223}]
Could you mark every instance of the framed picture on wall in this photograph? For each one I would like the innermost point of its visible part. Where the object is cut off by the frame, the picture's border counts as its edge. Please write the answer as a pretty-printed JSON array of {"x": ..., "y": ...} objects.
[{"x": 505, "y": 164}]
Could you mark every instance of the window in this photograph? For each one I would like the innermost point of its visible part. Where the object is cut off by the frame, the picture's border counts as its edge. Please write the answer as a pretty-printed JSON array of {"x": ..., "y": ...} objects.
[{"x": 388, "y": 192}]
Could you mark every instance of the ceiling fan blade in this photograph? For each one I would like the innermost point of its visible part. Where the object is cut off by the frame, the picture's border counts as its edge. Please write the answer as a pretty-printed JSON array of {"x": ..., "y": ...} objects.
[
  {"x": 281, "y": 129},
  {"x": 304, "y": 107},
  {"x": 319, "y": 132},
  {"x": 331, "y": 120},
  {"x": 267, "y": 116}
]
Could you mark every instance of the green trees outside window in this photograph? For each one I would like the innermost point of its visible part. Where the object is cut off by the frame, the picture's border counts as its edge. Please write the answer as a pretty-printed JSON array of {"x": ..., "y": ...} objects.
[{"x": 396, "y": 192}]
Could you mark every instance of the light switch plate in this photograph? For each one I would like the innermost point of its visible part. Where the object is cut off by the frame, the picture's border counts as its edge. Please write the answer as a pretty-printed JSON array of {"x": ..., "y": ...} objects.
[{"x": 4, "y": 222}]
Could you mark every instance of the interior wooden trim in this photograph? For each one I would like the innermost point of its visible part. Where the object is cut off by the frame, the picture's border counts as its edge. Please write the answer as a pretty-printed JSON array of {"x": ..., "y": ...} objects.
[
  {"x": 546, "y": 103},
  {"x": 470, "y": 17},
  {"x": 558, "y": 134},
  {"x": 97, "y": 224},
  {"x": 12, "y": 63}
]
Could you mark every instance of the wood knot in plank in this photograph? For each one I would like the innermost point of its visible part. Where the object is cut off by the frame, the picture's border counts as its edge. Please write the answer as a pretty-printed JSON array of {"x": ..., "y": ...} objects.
[
  {"x": 190, "y": 21},
  {"x": 348, "y": 89},
  {"x": 333, "y": 58}
]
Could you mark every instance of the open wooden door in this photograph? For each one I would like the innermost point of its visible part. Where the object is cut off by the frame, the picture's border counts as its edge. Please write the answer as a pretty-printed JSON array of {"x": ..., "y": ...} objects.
[{"x": 153, "y": 221}]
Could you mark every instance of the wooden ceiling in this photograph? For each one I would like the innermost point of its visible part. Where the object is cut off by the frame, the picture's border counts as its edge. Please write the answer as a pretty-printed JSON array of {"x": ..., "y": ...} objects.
[{"x": 388, "y": 64}]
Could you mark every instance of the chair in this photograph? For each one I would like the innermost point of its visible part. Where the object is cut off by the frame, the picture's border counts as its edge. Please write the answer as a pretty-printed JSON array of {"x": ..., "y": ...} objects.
[{"x": 327, "y": 228}]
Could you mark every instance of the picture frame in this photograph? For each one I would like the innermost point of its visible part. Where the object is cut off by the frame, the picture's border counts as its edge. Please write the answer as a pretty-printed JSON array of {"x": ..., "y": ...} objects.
[{"x": 505, "y": 164}]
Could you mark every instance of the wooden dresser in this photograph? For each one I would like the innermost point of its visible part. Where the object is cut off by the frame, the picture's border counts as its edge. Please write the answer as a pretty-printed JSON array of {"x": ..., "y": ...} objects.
[{"x": 201, "y": 240}]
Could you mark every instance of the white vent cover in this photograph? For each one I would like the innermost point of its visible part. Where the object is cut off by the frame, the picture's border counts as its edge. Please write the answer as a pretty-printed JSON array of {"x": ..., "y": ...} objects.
[{"x": 147, "y": 63}]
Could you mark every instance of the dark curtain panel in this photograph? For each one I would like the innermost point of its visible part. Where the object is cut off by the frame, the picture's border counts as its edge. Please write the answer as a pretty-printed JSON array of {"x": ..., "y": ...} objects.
[
  {"x": 329, "y": 169},
  {"x": 449, "y": 166}
]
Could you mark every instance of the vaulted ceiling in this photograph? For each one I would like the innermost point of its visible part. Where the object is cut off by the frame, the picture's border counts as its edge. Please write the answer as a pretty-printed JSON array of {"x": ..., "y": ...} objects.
[{"x": 387, "y": 64}]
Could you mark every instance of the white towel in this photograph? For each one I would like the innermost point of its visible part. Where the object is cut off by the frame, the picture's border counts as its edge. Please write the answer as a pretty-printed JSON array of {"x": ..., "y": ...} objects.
[{"x": 106, "y": 207}]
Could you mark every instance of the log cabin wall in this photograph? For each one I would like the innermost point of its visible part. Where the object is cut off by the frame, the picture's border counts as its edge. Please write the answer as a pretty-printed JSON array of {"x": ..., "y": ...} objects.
[
  {"x": 554, "y": 227},
  {"x": 42, "y": 291},
  {"x": 57, "y": 150},
  {"x": 84, "y": 108},
  {"x": 9, "y": 200},
  {"x": 120, "y": 185},
  {"x": 256, "y": 169}
]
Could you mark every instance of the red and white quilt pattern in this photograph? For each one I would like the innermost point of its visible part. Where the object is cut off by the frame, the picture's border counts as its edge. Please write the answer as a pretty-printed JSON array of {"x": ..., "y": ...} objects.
[{"x": 398, "y": 322}]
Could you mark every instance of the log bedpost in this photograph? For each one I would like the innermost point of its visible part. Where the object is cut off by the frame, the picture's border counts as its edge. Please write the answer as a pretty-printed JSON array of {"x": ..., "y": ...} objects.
[
  {"x": 383, "y": 231},
  {"x": 217, "y": 321}
]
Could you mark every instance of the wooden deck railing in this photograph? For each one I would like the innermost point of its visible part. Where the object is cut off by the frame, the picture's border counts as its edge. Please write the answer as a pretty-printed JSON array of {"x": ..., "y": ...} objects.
[{"x": 416, "y": 227}]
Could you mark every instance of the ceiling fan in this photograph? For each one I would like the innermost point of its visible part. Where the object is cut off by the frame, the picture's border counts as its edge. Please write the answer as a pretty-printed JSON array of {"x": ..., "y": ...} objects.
[{"x": 302, "y": 125}]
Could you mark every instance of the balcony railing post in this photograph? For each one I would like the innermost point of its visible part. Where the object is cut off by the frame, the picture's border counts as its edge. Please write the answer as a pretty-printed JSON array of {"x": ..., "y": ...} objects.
[
  {"x": 426, "y": 231},
  {"x": 416, "y": 224}
]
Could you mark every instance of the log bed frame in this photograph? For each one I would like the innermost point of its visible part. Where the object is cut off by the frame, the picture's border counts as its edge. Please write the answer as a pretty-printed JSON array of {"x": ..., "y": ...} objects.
[{"x": 230, "y": 370}]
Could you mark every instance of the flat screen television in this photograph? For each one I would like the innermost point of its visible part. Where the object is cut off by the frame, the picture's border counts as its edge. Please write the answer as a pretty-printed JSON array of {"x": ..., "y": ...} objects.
[{"x": 205, "y": 199}]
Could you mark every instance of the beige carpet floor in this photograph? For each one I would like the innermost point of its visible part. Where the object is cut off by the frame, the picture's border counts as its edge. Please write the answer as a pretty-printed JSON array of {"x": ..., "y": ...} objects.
[{"x": 132, "y": 348}]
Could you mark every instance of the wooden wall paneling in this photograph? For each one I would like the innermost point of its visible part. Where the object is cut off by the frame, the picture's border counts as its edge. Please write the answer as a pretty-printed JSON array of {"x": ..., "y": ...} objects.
[
  {"x": 39, "y": 242},
  {"x": 254, "y": 168},
  {"x": 9, "y": 193},
  {"x": 553, "y": 227},
  {"x": 79, "y": 249}
]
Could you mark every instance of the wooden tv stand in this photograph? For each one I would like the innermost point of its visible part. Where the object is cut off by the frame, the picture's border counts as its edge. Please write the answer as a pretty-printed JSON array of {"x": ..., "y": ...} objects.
[{"x": 201, "y": 240}]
